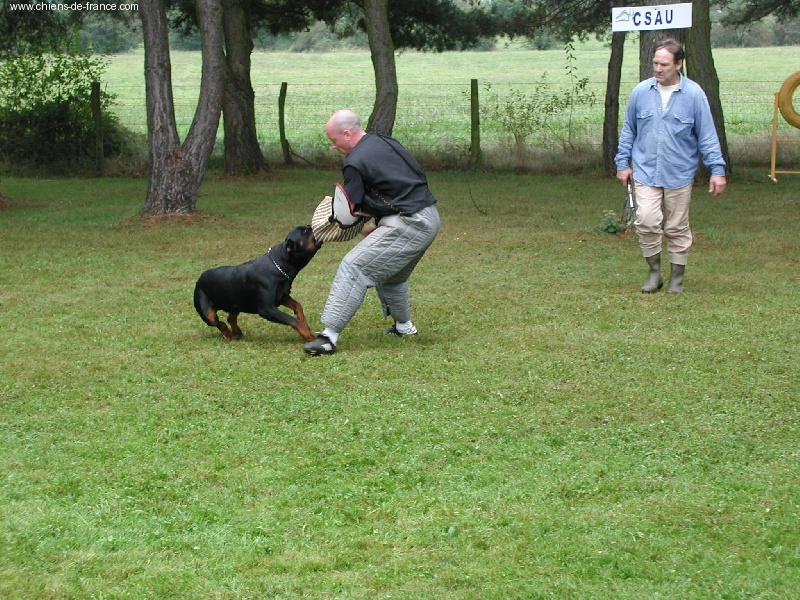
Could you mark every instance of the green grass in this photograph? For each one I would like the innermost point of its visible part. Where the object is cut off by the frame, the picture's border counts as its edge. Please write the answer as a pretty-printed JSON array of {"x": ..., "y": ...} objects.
[
  {"x": 552, "y": 432},
  {"x": 433, "y": 106}
]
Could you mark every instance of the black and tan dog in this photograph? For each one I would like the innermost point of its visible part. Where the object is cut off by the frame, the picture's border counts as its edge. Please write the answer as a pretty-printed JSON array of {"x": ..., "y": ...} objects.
[{"x": 259, "y": 286}]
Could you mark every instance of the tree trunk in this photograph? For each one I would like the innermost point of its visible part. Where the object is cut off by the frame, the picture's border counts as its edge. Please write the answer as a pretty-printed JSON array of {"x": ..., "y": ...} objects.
[
  {"x": 176, "y": 170},
  {"x": 242, "y": 151},
  {"x": 381, "y": 46},
  {"x": 611, "y": 117},
  {"x": 700, "y": 68}
]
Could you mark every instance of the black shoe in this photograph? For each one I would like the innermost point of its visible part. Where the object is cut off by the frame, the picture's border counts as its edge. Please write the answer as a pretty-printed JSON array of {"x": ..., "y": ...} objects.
[
  {"x": 320, "y": 345},
  {"x": 393, "y": 331}
]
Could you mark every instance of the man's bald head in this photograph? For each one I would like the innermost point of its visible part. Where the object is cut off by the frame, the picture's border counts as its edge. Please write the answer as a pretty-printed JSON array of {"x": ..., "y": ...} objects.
[{"x": 344, "y": 130}]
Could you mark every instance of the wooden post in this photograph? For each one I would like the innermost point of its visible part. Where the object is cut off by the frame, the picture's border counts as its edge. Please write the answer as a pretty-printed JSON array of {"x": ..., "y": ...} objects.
[
  {"x": 98, "y": 128},
  {"x": 475, "y": 136},
  {"x": 774, "y": 141},
  {"x": 287, "y": 153}
]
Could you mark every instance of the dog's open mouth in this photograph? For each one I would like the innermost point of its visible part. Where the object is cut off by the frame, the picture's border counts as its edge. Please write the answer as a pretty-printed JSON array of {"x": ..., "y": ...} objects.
[
  {"x": 317, "y": 243},
  {"x": 309, "y": 231}
]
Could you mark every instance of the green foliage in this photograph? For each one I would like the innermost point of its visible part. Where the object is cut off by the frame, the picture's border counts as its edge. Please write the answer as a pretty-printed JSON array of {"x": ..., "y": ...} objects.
[
  {"x": 532, "y": 115},
  {"x": 761, "y": 34},
  {"x": 610, "y": 223},
  {"x": 25, "y": 31},
  {"x": 45, "y": 109},
  {"x": 540, "y": 40},
  {"x": 33, "y": 79},
  {"x": 264, "y": 40},
  {"x": 101, "y": 33},
  {"x": 318, "y": 38},
  {"x": 578, "y": 93},
  {"x": 751, "y": 11},
  {"x": 184, "y": 40},
  {"x": 614, "y": 224},
  {"x": 788, "y": 33}
]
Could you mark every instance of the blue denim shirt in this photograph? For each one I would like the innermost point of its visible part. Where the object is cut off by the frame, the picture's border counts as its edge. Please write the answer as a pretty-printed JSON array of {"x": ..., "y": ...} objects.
[{"x": 663, "y": 146}]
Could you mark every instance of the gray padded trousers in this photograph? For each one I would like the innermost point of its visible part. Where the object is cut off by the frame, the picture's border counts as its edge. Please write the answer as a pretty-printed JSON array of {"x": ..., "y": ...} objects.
[{"x": 384, "y": 260}]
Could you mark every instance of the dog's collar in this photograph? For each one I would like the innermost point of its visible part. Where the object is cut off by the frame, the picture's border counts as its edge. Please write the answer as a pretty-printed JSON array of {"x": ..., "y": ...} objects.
[{"x": 276, "y": 265}]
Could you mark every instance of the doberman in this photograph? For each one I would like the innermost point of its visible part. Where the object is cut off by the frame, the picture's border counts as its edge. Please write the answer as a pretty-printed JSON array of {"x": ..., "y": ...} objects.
[{"x": 258, "y": 286}]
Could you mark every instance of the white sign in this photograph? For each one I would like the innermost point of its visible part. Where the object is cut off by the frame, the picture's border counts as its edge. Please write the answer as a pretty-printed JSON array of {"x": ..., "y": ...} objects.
[{"x": 642, "y": 18}]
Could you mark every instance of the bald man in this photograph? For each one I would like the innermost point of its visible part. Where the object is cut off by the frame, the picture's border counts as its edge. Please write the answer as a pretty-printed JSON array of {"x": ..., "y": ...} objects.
[{"x": 383, "y": 180}]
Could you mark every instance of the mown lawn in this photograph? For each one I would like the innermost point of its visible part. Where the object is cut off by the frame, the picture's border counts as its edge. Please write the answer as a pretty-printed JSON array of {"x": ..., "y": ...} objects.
[{"x": 551, "y": 433}]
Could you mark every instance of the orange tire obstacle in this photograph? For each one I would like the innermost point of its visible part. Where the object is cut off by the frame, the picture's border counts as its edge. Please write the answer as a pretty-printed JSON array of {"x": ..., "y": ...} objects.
[{"x": 783, "y": 103}]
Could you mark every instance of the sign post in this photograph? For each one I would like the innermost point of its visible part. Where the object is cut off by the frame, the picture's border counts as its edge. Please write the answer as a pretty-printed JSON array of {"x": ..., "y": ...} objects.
[{"x": 647, "y": 18}]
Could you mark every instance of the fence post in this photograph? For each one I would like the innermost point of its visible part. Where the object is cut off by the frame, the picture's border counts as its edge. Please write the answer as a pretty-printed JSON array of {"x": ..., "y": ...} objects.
[
  {"x": 98, "y": 127},
  {"x": 287, "y": 153},
  {"x": 475, "y": 137}
]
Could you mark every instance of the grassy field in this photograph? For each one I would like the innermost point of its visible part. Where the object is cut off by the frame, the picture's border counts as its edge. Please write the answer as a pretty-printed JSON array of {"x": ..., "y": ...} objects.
[
  {"x": 551, "y": 433},
  {"x": 433, "y": 107}
]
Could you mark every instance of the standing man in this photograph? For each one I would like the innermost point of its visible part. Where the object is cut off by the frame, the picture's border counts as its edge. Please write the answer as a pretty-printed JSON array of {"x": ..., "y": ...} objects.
[
  {"x": 668, "y": 126},
  {"x": 383, "y": 180}
]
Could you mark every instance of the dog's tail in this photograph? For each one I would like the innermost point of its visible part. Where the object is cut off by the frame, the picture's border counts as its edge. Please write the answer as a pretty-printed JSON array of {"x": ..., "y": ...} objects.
[{"x": 202, "y": 304}]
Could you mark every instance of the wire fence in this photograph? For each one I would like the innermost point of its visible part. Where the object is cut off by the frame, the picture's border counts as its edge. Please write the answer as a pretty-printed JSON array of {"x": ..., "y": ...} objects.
[{"x": 434, "y": 121}]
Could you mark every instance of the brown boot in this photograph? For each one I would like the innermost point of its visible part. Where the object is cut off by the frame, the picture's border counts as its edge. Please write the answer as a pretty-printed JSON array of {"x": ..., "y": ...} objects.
[
  {"x": 654, "y": 281},
  {"x": 675, "y": 278}
]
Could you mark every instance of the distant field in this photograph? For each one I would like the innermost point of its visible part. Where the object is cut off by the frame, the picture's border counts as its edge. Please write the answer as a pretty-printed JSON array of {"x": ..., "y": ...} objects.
[{"x": 433, "y": 109}]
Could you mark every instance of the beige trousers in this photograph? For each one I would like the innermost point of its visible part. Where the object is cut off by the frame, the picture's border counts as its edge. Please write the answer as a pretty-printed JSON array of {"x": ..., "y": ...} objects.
[{"x": 662, "y": 212}]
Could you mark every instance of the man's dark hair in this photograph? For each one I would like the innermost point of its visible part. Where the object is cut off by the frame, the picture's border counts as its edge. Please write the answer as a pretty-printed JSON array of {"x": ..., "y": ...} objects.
[{"x": 672, "y": 46}]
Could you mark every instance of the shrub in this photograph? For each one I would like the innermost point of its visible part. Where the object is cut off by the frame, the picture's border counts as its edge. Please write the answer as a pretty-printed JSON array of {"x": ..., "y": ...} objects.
[
  {"x": 610, "y": 223},
  {"x": 530, "y": 115},
  {"x": 45, "y": 109}
]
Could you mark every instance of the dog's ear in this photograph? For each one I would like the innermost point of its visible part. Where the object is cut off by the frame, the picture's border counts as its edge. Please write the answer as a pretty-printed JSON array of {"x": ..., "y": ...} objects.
[{"x": 290, "y": 245}]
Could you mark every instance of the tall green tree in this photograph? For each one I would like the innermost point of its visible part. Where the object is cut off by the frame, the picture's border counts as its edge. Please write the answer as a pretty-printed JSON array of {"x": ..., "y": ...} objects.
[
  {"x": 611, "y": 106},
  {"x": 241, "y": 146},
  {"x": 434, "y": 25},
  {"x": 25, "y": 31},
  {"x": 742, "y": 12},
  {"x": 177, "y": 168},
  {"x": 381, "y": 47},
  {"x": 241, "y": 19},
  {"x": 390, "y": 24},
  {"x": 700, "y": 67}
]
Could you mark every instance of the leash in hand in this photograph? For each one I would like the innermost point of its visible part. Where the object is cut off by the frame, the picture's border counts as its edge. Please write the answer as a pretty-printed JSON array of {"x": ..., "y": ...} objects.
[{"x": 629, "y": 208}]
